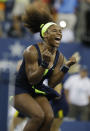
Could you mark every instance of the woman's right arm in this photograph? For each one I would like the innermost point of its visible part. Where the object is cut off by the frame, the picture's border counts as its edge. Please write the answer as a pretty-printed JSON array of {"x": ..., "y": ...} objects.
[{"x": 34, "y": 72}]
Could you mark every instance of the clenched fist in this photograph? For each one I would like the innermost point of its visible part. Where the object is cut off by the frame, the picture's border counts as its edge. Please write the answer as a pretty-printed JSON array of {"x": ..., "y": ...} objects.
[
  {"x": 71, "y": 61},
  {"x": 46, "y": 56}
]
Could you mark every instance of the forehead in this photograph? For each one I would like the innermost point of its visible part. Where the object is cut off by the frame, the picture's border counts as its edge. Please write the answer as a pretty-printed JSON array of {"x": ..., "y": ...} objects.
[{"x": 54, "y": 27}]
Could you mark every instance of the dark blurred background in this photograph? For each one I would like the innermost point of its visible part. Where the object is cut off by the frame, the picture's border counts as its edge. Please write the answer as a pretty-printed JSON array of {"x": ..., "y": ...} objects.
[{"x": 74, "y": 18}]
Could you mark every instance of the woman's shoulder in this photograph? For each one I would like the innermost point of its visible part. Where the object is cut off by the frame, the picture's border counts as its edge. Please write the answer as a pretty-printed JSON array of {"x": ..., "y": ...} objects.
[{"x": 30, "y": 51}]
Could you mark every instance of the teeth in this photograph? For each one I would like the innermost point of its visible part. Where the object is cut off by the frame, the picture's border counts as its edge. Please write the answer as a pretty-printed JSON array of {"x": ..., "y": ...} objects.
[{"x": 57, "y": 38}]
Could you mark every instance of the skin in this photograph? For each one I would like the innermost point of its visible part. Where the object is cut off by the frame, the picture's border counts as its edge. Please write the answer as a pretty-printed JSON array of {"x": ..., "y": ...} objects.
[
  {"x": 57, "y": 121},
  {"x": 39, "y": 109},
  {"x": 18, "y": 120},
  {"x": 83, "y": 73}
]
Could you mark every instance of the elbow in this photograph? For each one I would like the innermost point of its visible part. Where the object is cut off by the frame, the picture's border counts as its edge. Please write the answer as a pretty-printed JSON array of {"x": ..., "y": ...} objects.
[
  {"x": 33, "y": 80},
  {"x": 30, "y": 79}
]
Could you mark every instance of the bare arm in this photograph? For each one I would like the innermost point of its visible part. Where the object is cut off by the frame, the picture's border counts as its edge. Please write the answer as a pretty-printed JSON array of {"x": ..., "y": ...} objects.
[
  {"x": 58, "y": 74},
  {"x": 33, "y": 70},
  {"x": 56, "y": 80}
]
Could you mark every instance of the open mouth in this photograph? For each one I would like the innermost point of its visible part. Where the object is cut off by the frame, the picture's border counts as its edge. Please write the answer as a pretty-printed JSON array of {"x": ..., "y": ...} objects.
[{"x": 57, "y": 39}]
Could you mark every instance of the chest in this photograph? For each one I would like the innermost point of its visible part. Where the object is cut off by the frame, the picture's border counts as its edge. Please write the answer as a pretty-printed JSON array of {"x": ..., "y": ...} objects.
[
  {"x": 51, "y": 63},
  {"x": 54, "y": 58}
]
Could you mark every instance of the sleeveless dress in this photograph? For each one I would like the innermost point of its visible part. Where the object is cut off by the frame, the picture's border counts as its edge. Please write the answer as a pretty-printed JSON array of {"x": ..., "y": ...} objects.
[{"x": 22, "y": 84}]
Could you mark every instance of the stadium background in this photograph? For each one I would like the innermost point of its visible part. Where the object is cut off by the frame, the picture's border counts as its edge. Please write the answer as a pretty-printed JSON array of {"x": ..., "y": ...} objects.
[{"x": 11, "y": 50}]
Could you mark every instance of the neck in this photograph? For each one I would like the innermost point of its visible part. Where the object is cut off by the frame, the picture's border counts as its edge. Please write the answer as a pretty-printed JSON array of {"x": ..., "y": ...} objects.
[{"x": 50, "y": 48}]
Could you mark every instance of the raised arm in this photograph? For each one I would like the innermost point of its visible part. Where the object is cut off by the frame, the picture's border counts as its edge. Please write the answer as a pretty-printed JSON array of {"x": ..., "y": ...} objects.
[
  {"x": 60, "y": 70},
  {"x": 34, "y": 72},
  {"x": 57, "y": 75}
]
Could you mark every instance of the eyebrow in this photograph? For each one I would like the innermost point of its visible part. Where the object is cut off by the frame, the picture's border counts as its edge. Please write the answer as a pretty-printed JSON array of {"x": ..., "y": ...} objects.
[
  {"x": 53, "y": 29},
  {"x": 56, "y": 29}
]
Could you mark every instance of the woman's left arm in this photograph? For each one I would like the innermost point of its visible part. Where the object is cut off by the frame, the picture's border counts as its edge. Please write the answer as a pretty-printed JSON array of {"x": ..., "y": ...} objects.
[{"x": 60, "y": 70}]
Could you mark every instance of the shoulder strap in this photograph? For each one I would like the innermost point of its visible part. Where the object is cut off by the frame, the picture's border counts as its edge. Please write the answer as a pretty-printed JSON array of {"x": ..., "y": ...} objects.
[
  {"x": 48, "y": 72},
  {"x": 39, "y": 54},
  {"x": 56, "y": 59}
]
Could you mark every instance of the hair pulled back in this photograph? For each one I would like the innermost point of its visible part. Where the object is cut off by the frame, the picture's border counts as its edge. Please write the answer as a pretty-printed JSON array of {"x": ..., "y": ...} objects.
[{"x": 34, "y": 17}]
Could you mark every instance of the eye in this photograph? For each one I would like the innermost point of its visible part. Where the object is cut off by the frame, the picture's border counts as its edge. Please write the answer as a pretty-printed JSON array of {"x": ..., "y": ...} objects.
[
  {"x": 54, "y": 30},
  {"x": 60, "y": 31}
]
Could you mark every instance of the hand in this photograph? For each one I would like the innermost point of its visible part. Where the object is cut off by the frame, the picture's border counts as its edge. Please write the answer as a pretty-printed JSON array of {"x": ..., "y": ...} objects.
[
  {"x": 71, "y": 61},
  {"x": 46, "y": 56}
]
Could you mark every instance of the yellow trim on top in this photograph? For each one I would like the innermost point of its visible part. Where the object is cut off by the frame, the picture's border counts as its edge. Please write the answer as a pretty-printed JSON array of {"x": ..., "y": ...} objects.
[
  {"x": 60, "y": 114},
  {"x": 38, "y": 91},
  {"x": 46, "y": 71}
]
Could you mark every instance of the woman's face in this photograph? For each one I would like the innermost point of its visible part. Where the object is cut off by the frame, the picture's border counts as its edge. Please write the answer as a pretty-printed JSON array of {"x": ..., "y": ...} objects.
[{"x": 53, "y": 36}]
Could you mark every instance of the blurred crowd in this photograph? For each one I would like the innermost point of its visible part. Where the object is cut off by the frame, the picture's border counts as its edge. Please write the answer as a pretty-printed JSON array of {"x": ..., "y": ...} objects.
[
  {"x": 71, "y": 15},
  {"x": 74, "y": 18},
  {"x": 77, "y": 90}
]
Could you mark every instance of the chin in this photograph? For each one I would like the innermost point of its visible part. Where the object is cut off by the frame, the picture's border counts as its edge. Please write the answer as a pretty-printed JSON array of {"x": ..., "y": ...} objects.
[{"x": 57, "y": 45}]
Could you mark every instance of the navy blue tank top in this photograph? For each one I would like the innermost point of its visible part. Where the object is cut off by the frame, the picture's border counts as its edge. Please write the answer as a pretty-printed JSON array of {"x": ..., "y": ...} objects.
[{"x": 21, "y": 78}]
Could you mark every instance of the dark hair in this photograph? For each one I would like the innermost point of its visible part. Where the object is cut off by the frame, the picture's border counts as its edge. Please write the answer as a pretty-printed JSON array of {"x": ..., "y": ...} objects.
[{"x": 34, "y": 17}]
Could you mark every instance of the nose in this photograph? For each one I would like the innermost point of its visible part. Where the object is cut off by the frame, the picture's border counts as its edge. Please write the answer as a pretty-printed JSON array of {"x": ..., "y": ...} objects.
[{"x": 59, "y": 33}]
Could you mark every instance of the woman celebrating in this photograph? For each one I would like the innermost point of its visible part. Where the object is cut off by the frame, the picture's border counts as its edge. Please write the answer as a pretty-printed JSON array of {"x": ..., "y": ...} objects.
[{"x": 41, "y": 62}]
